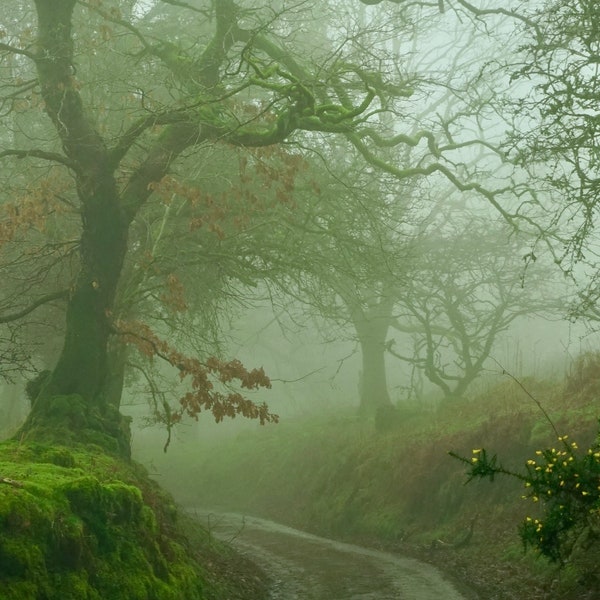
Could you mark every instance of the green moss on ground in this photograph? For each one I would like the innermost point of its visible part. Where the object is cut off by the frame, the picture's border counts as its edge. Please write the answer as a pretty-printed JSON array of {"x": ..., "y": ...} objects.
[{"x": 77, "y": 524}]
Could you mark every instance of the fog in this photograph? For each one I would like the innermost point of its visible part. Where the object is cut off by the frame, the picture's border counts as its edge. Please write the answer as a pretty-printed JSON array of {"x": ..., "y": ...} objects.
[{"x": 305, "y": 252}]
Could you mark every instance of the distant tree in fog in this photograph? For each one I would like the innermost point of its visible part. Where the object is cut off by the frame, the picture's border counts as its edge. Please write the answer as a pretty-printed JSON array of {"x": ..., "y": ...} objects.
[
  {"x": 470, "y": 283},
  {"x": 348, "y": 247}
]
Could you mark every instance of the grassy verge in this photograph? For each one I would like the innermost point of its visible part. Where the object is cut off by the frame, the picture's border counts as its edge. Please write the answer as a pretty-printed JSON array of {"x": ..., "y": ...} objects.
[
  {"x": 399, "y": 489},
  {"x": 77, "y": 524}
]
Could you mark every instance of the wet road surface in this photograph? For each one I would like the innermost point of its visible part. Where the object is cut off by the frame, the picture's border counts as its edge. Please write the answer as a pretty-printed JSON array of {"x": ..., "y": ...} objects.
[{"x": 307, "y": 567}]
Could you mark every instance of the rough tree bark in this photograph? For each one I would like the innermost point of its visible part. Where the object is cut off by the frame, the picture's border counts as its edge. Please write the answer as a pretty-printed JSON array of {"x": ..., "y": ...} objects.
[
  {"x": 81, "y": 368},
  {"x": 83, "y": 363}
]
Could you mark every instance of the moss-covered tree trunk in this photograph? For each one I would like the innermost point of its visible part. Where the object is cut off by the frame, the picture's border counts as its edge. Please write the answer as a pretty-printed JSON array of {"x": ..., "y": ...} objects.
[
  {"x": 82, "y": 366},
  {"x": 83, "y": 391}
]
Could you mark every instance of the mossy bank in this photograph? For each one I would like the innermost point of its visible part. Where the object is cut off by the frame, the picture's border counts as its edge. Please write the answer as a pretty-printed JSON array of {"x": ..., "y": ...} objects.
[
  {"x": 78, "y": 524},
  {"x": 395, "y": 486}
]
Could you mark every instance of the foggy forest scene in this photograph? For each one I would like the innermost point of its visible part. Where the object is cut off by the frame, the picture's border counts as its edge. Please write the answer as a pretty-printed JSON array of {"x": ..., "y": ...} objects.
[{"x": 300, "y": 299}]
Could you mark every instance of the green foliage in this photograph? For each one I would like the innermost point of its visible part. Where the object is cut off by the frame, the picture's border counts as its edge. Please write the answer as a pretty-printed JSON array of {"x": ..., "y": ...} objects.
[{"x": 564, "y": 483}]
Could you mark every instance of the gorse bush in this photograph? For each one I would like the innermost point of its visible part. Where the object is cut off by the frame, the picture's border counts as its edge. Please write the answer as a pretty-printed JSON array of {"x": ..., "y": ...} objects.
[{"x": 563, "y": 482}]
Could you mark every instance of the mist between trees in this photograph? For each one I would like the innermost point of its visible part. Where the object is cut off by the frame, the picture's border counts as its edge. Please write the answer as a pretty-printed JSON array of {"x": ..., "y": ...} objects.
[{"x": 407, "y": 182}]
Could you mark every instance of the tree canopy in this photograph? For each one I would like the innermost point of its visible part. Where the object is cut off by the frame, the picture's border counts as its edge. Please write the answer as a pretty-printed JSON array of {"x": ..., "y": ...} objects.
[{"x": 154, "y": 156}]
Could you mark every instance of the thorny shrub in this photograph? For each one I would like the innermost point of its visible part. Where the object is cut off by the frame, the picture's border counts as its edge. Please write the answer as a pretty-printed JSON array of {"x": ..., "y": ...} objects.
[{"x": 564, "y": 484}]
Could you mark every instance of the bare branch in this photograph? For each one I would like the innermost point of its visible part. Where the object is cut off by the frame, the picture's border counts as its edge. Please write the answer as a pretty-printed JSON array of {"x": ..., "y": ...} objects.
[
  {"x": 478, "y": 12},
  {"x": 187, "y": 114},
  {"x": 15, "y": 50},
  {"x": 185, "y": 5},
  {"x": 116, "y": 20},
  {"x": 513, "y": 14},
  {"x": 139, "y": 127},
  {"x": 52, "y": 156},
  {"x": 62, "y": 98},
  {"x": 39, "y": 302},
  {"x": 489, "y": 195}
]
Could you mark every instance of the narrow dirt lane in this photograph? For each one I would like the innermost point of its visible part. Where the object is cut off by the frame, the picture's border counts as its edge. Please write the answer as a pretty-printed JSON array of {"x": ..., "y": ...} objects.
[{"x": 309, "y": 567}]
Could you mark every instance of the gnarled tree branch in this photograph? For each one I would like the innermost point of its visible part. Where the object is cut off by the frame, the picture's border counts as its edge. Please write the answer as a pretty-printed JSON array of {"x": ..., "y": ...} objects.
[{"x": 29, "y": 309}]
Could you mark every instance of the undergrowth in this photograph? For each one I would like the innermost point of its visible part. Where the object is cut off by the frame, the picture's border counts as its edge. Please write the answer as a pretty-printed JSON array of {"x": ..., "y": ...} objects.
[{"x": 399, "y": 488}]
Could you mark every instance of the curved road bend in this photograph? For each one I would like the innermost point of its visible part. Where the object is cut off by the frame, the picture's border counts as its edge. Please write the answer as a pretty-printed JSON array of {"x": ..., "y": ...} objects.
[{"x": 307, "y": 567}]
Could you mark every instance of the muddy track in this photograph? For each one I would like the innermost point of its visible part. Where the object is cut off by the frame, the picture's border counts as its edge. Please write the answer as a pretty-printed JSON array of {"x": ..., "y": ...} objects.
[{"x": 308, "y": 567}]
